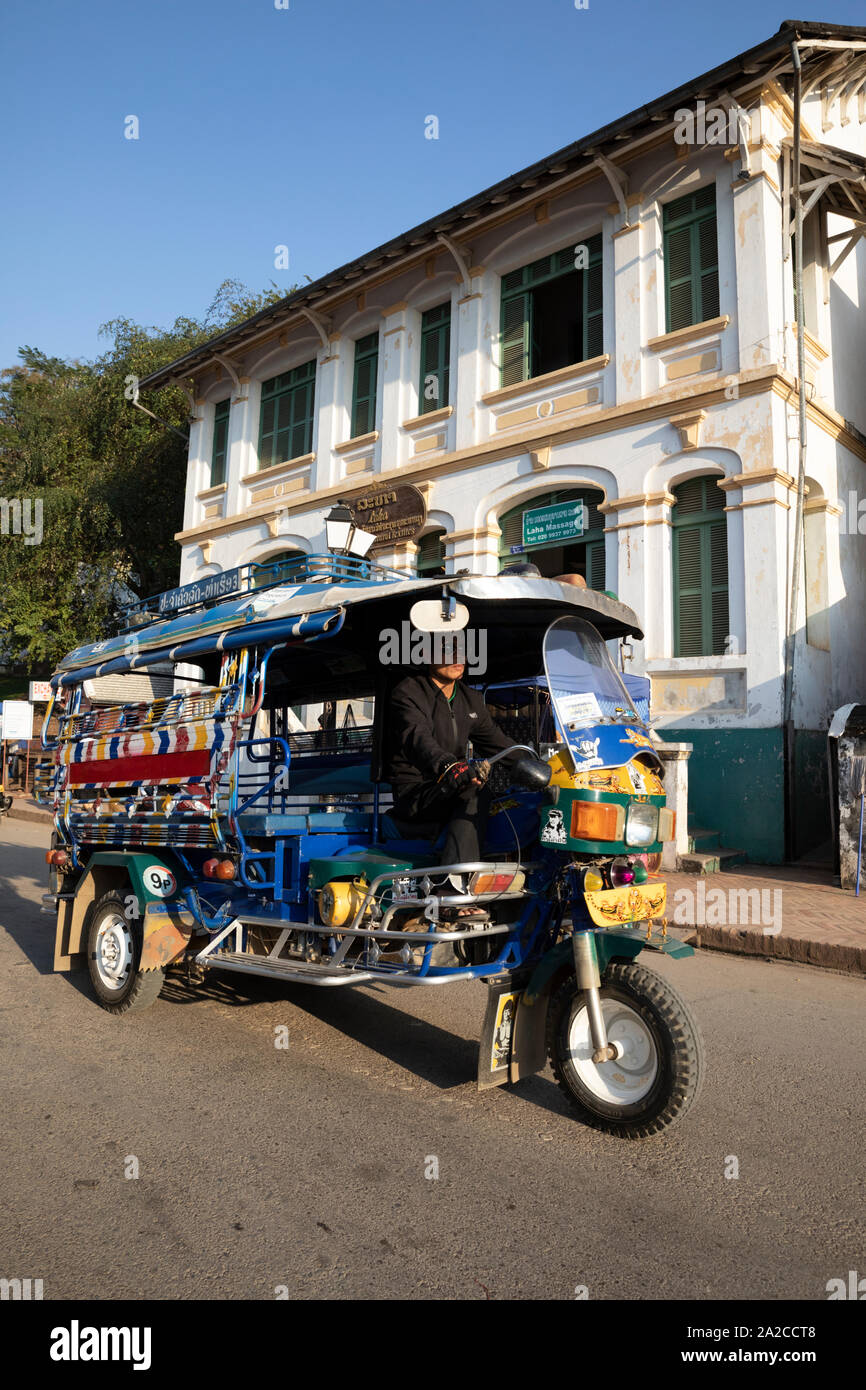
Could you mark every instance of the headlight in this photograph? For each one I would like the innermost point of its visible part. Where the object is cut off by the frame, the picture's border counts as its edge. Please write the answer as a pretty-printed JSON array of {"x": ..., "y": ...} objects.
[{"x": 642, "y": 823}]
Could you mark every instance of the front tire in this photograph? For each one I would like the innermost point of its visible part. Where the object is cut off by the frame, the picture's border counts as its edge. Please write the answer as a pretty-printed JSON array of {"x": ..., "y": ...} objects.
[
  {"x": 113, "y": 956},
  {"x": 659, "y": 1074}
]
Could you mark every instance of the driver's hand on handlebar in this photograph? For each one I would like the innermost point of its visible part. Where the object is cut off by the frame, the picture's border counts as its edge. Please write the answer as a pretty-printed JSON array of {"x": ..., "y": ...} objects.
[
  {"x": 481, "y": 769},
  {"x": 459, "y": 775}
]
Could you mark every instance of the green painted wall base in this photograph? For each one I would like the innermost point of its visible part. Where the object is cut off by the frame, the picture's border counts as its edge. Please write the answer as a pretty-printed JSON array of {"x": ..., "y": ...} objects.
[{"x": 736, "y": 786}]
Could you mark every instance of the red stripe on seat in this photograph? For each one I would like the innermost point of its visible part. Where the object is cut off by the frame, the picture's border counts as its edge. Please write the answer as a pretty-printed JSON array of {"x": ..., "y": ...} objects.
[{"x": 146, "y": 767}]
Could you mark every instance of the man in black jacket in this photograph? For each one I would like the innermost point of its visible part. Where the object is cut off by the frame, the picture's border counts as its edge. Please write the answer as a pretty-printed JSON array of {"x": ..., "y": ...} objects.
[{"x": 432, "y": 716}]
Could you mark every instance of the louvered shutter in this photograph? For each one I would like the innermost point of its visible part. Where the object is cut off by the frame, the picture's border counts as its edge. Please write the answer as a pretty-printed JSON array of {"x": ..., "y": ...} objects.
[
  {"x": 365, "y": 382},
  {"x": 435, "y": 359},
  {"x": 593, "y": 331},
  {"x": 691, "y": 259},
  {"x": 689, "y": 626},
  {"x": 700, "y": 548},
  {"x": 430, "y": 559},
  {"x": 220, "y": 442},
  {"x": 515, "y": 339},
  {"x": 717, "y": 541},
  {"x": 708, "y": 259},
  {"x": 678, "y": 273},
  {"x": 511, "y": 527},
  {"x": 595, "y": 568}
]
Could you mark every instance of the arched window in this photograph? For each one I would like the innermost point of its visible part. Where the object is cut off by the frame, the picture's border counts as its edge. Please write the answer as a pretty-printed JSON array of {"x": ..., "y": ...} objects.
[
  {"x": 277, "y": 569},
  {"x": 582, "y": 555},
  {"x": 700, "y": 562},
  {"x": 430, "y": 560}
]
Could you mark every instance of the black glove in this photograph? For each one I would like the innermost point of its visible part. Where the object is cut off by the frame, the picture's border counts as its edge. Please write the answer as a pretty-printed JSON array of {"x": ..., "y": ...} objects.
[{"x": 457, "y": 776}]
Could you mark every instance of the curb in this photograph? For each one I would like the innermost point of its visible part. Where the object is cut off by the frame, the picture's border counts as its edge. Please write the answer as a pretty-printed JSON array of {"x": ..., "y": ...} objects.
[
  {"x": 798, "y": 949},
  {"x": 24, "y": 813}
]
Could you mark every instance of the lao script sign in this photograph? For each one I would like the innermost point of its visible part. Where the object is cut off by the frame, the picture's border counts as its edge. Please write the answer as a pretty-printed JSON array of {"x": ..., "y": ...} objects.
[
  {"x": 213, "y": 586},
  {"x": 563, "y": 521}
]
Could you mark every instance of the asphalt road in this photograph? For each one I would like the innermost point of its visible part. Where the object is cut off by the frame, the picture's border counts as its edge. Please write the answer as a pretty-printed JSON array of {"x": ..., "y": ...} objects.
[{"x": 304, "y": 1168}]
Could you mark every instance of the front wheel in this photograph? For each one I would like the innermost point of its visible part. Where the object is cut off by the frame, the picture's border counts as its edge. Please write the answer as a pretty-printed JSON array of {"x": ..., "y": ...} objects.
[
  {"x": 113, "y": 955},
  {"x": 659, "y": 1071}
]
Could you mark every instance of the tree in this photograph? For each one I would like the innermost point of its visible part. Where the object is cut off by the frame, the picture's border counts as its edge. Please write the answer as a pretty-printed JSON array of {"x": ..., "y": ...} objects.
[{"x": 106, "y": 481}]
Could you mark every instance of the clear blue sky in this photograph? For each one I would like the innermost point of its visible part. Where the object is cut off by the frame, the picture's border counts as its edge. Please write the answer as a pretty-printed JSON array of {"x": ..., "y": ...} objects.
[{"x": 301, "y": 126}]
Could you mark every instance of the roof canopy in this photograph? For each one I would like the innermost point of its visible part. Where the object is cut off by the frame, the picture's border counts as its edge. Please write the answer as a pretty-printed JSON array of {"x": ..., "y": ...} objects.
[{"x": 307, "y": 612}]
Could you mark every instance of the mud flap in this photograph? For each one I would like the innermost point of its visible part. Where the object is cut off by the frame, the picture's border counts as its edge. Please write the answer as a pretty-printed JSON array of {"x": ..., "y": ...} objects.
[
  {"x": 166, "y": 933},
  {"x": 512, "y": 1036}
]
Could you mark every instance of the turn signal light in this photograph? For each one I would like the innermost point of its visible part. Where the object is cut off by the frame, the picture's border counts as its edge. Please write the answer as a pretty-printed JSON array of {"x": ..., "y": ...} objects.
[
  {"x": 222, "y": 869},
  {"x": 597, "y": 820},
  {"x": 57, "y": 857}
]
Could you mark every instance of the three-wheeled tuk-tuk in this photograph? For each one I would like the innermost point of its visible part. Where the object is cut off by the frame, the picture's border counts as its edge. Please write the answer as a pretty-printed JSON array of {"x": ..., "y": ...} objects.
[{"x": 209, "y": 828}]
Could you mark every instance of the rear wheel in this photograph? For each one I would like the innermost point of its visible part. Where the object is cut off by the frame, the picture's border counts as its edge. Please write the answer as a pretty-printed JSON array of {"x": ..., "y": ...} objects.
[
  {"x": 659, "y": 1071},
  {"x": 113, "y": 955}
]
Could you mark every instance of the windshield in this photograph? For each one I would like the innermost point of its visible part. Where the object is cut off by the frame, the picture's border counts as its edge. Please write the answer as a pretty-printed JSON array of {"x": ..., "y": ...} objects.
[{"x": 584, "y": 683}]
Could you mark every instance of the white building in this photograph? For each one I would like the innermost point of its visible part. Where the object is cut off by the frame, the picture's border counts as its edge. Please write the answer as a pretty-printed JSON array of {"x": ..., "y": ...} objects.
[{"x": 616, "y": 322}]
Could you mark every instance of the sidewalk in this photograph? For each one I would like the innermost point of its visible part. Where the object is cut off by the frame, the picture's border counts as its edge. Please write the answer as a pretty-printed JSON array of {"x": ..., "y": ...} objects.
[{"x": 783, "y": 912}]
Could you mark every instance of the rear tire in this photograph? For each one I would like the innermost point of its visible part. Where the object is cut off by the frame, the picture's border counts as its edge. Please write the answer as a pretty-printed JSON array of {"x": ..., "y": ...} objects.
[
  {"x": 113, "y": 954},
  {"x": 660, "y": 1073}
]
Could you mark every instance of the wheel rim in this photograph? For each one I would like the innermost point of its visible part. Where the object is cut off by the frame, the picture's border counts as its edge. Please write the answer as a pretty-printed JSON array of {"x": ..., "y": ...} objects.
[
  {"x": 114, "y": 951},
  {"x": 631, "y": 1076}
]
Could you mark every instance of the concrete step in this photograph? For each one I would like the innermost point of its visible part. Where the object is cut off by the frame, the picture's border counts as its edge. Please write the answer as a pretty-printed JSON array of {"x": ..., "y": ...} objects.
[
  {"x": 731, "y": 859},
  {"x": 698, "y": 863},
  {"x": 704, "y": 841}
]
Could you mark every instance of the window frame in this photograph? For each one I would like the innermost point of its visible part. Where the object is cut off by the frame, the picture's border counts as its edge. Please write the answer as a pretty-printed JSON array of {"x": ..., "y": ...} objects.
[
  {"x": 289, "y": 393},
  {"x": 518, "y": 294}
]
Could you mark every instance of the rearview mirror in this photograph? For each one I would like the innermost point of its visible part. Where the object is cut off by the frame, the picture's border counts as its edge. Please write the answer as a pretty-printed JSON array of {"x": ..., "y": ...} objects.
[{"x": 438, "y": 615}]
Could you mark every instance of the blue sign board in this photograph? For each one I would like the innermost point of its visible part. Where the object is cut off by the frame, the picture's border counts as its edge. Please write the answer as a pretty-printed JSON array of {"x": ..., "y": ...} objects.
[{"x": 214, "y": 586}]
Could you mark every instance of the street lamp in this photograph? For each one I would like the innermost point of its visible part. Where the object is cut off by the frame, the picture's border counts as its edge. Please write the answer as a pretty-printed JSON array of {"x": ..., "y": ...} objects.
[{"x": 343, "y": 536}]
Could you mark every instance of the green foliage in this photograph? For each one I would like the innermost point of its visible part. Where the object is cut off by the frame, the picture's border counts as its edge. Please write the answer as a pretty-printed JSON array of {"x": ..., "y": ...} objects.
[{"x": 110, "y": 480}]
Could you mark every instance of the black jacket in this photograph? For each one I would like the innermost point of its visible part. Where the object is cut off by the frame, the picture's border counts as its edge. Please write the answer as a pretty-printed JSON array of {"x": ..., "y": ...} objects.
[{"x": 426, "y": 733}]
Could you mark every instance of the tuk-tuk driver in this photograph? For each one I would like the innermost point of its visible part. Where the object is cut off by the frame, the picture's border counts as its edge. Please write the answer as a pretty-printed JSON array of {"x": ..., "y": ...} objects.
[{"x": 432, "y": 716}]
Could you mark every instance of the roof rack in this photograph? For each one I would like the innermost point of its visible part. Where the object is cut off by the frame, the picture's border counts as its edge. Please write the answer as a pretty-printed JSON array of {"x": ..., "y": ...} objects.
[{"x": 254, "y": 578}]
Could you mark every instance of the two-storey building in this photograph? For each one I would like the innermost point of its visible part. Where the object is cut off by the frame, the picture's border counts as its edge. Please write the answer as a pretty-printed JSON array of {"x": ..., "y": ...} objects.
[{"x": 616, "y": 324}]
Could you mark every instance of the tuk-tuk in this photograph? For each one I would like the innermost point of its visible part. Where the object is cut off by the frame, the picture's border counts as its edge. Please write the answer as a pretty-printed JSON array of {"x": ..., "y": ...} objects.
[{"x": 210, "y": 828}]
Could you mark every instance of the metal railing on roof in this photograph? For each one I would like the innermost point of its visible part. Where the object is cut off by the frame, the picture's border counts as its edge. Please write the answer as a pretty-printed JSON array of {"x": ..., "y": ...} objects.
[{"x": 254, "y": 578}]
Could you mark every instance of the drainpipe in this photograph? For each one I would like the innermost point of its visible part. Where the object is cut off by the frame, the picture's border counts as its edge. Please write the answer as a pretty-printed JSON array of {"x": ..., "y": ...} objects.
[{"x": 791, "y": 634}]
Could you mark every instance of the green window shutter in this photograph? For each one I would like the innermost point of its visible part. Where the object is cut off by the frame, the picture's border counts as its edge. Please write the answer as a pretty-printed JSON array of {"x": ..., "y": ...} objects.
[
  {"x": 220, "y": 442},
  {"x": 516, "y": 332},
  {"x": 700, "y": 556},
  {"x": 365, "y": 385},
  {"x": 430, "y": 560},
  {"x": 593, "y": 327},
  {"x": 288, "y": 403},
  {"x": 595, "y": 567},
  {"x": 691, "y": 257},
  {"x": 433, "y": 393}
]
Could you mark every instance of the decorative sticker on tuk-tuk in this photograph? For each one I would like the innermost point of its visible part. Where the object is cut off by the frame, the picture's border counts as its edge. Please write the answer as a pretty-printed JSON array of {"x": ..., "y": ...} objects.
[
  {"x": 586, "y": 752},
  {"x": 635, "y": 736},
  {"x": 503, "y": 1032},
  {"x": 159, "y": 881},
  {"x": 553, "y": 831}
]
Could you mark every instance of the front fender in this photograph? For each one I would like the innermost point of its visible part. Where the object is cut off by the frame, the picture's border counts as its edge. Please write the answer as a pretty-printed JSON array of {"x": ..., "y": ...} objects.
[{"x": 610, "y": 943}]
